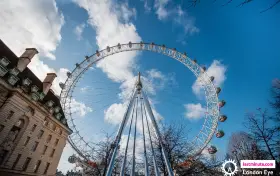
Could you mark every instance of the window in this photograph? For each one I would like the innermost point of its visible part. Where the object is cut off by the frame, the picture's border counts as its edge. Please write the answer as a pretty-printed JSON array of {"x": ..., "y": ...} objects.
[
  {"x": 60, "y": 132},
  {"x": 58, "y": 116},
  {"x": 4, "y": 61},
  {"x": 34, "y": 88},
  {"x": 26, "y": 163},
  {"x": 10, "y": 115},
  {"x": 33, "y": 128},
  {"x": 56, "y": 142},
  {"x": 16, "y": 161},
  {"x": 40, "y": 134},
  {"x": 50, "y": 103},
  {"x": 51, "y": 155},
  {"x": 37, "y": 165},
  {"x": 56, "y": 109},
  {"x": 13, "y": 79},
  {"x": 45, "y": 149},
  {"x": 34, "y": 146},
  {"x": 14, "y": 71},
  {"x": 26, "y": 141},
  {"x": 53, "y": 127},
  {"x": 49, "y": 138},
  {"x": 4, "y": 153},
  {"x": 26, "y": 82},
  {"x": 47, "y": 167},
  {"x": 1, "y": 127},
  {"x": 20, "y": 123},
  {"x": 46, "y": 122}
]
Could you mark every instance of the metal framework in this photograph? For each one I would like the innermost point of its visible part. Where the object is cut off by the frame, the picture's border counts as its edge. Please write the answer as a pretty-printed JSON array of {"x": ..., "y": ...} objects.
[
  {"x": 138, "y": 96},
  {"x": 201, "y": 140}
]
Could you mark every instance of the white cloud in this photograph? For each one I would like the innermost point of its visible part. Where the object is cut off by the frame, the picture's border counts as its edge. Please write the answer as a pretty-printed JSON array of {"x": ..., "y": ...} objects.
[
  {"x": 138, "y": 146},
  {"x": 146, "y": 6},
  {"x": 161, "y": 11},
  {"x": 36, "y": 24},
  {"x": 216, "y": 69},
  {"x": 32, "y": 23},
  {"x": 114, "y": 114},
  {"x": 79, "y": 31},
  {"x": 85, "y": 89},
  {"x": 187, "y": 22},
  {"x": 177, "y": 15},
  {"x": 80, "y": 108},
  {"x": 125, "y": 12},
  {"x": 111, "y": 33},
  {"x": 105, "y": 18},
  {"x": 63, "y": 164},
  {"x": 194, "y": 111}
]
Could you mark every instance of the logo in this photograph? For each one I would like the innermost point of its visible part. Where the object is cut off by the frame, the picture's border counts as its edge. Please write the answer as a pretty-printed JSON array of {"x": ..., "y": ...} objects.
[{"x": 229, "y": 168}]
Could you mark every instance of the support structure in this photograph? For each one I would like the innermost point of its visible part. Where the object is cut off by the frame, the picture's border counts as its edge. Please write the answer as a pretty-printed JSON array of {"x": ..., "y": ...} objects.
[
  {"x": 138, "y": 104},
  {"x": 119, "y": 134}
]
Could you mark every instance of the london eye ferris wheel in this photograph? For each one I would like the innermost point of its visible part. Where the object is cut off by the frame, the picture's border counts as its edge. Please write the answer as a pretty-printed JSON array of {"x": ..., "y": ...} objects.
[{"x": 138, "y": 104}]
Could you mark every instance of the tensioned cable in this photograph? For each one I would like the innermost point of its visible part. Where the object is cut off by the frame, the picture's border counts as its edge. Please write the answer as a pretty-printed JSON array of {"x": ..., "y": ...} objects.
[
  {"x": 151, "y": 142},
  {"x": 125, "y": 154},
  {"x": 144, "y": 141},
  {"x": 134, "y": 144}
]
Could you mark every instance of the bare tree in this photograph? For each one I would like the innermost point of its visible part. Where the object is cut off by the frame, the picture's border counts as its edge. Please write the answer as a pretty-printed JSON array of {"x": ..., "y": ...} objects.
[
  {"x": 242, "y": 146},
  {"x": 275, "y": 103},
  {"x": 240, "y": 3},
  {"x": 204, "y": 165},
  {"x": 177, "y": 147},
  {"x": 261, "y": 129}
]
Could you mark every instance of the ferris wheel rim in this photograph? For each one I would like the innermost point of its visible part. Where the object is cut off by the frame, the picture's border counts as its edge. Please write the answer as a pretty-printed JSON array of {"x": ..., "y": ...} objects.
[{"x": 161, "y": 49}]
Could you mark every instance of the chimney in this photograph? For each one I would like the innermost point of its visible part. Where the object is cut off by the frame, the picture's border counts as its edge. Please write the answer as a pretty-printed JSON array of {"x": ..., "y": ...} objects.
[
  {"x": 47, "y": 83},
  {"x": 25, "y": 58}
]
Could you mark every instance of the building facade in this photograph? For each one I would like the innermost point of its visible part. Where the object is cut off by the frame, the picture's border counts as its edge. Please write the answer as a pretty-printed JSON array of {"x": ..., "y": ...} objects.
[{"x": 33, "y": 129}]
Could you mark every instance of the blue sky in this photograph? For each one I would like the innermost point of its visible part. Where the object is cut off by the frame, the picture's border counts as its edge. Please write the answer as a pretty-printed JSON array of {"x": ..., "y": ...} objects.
[{"x": 239, "y": 45}]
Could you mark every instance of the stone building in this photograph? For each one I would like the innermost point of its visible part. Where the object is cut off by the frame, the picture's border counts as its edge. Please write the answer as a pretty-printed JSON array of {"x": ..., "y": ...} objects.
[{"x": 33, "y": 129}]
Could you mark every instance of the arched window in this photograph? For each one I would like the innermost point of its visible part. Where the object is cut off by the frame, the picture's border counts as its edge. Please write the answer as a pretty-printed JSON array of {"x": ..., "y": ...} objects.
[{"x": 19, "y": 123}]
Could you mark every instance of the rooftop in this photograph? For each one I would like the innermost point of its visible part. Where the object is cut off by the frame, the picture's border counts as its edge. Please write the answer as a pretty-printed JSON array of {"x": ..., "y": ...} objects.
[{"x": 5, "y": 52}]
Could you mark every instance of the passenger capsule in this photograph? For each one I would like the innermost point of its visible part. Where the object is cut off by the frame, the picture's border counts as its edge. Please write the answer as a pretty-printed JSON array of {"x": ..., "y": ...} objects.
[
  {"x": 220, "y": 134},
  {"x": 68, "y": 74},
  {"x": 61, "y": 85},
  {"x": 119, "y": 46},
  {"x": 130, "y": 44},
  {"x": 77, "y": 65},
  {"x": 87, "y": 58},
  {"x": 152, "y": 45},
  {"x": 185, "y": 54},
  {"x": 203, "y": 69},
  {"x": 185, "y": 164},
  {"x": 108, "y": 49},
  {"x": 97, "y": 53},
  {"x": 92, "y": 164},
  {"x": 195, "y": 61},
  {"x": 163, "y": 47},
  {"x": 222, "y": 103},
  {"x": 212, "y": 78},
  {"x": 218, "y": 90},
  {"x": 222, "y": 118},
  {"x": 72, "y": 159},
  {"x": 212, "y": 150},
  {"x": 141, "y": 43}
]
